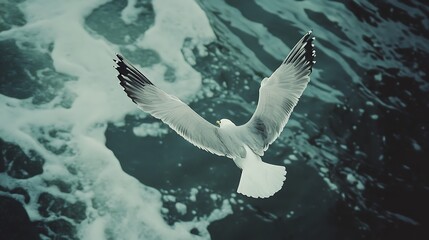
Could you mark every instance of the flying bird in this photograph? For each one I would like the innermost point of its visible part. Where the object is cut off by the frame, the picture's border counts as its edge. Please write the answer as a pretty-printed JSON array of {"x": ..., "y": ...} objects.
[{"x": 244, "y": 144}]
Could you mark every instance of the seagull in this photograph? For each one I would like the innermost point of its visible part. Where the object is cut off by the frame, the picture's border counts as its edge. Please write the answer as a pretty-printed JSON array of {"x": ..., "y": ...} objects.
[{"x": 244, "y": 144}]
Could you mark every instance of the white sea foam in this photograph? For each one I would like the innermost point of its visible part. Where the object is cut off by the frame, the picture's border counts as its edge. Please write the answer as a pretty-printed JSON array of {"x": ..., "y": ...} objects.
[
  {"x": 130, "y": 13},
  {"x": 117, "y": 205},
  {"x": 155, "y": 129},
  {"x": 181, "y": 208},
  {"x": 173, "y": 25}
]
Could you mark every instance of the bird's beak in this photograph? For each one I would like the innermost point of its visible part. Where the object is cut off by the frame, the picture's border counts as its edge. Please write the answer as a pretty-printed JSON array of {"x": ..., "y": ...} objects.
[{"x": 218, "y": 123}]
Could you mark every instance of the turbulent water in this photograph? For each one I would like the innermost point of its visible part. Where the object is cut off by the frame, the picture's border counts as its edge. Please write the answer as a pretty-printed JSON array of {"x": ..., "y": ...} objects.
[{"x": 80, "y": 161}]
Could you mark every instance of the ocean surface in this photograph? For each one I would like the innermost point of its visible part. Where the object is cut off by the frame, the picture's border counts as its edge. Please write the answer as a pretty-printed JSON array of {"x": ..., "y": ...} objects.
[{"x": 78, "y": 160}]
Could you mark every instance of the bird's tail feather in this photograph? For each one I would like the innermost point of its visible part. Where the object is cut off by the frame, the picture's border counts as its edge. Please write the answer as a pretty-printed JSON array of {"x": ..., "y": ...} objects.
[{"x": 260, "y": 179}]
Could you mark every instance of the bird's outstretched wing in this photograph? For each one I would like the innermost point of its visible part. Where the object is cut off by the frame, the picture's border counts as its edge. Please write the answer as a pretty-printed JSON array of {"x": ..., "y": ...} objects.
[
  {"x": 168, "y": 108},
  {"x": 278, "y": 95}
]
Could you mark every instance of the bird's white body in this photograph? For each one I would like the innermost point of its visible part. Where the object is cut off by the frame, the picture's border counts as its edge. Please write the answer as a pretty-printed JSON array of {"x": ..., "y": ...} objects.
[
  {"x": 245, "y": 144},
  {"x": 258, "y": 179}
]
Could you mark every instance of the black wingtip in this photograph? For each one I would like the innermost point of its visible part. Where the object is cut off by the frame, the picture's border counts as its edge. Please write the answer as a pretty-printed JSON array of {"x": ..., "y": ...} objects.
[
  {"x": 310, "y": 52},
  {"x": 126, "y": 69},
  {"x": 119, "y": 56},
  {"x": 306, "y": 44},
  {"x": 131, "y": 79}
]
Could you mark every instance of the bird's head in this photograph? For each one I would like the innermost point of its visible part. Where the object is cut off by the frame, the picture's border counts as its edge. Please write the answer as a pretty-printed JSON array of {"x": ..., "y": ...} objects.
[{"x": 224, "y": 123}]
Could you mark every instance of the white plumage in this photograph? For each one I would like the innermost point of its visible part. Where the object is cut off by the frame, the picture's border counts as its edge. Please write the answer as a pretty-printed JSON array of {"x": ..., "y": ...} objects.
[{"x": 278, "y": 95}]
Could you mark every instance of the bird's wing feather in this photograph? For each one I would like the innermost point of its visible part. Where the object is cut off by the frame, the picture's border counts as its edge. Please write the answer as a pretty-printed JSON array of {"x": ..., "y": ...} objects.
[
  {"x": 278, "y": 95},
  {"x": 168, "y": 108}
]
